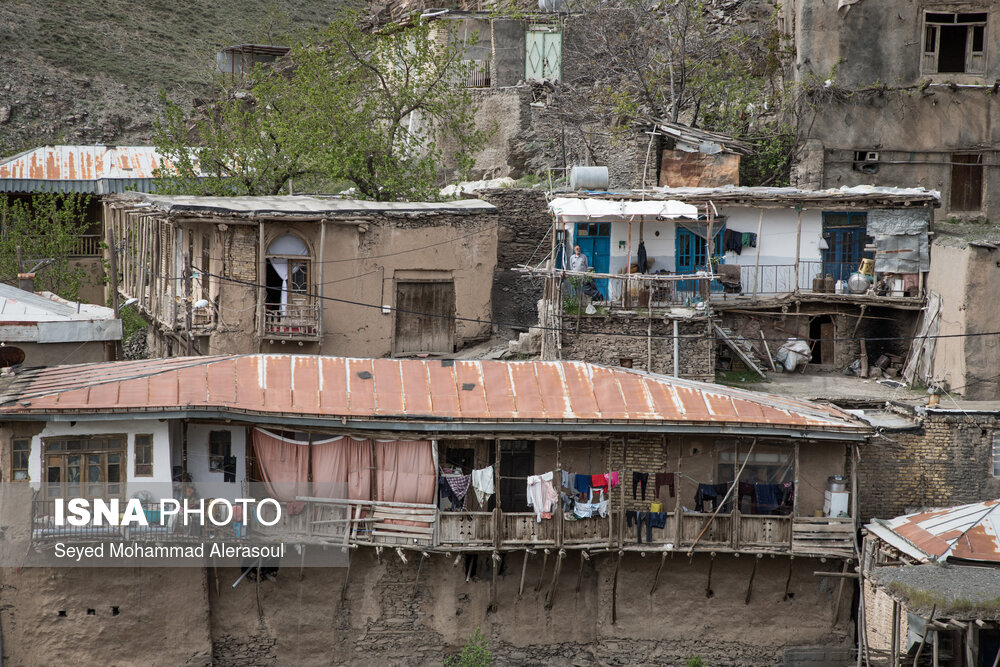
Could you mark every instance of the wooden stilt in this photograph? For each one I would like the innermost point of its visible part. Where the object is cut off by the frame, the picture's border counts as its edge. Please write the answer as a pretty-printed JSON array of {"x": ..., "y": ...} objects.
[
  {"x": 524, "y": 570},
  {"x": 923, "y": 637},
  {"x": 656, "y": 579},
  {"x": 302, "y": 562},
  {"x": 493, "y": 584},
  {"x": 614, "y": 589},
  {"x": 840, "y": 595},
  {"x": 541, "y": 574},
  {"x": 551, "y": 597},
  {"x": 708, "y": 586},
  {"x": 420, "y": 565},
  {"x": 347, "y": 576},
  {"x": 753, "y": 573},
  {"x": 788, "y": 580},
  {"x": 579, "y": 575}
]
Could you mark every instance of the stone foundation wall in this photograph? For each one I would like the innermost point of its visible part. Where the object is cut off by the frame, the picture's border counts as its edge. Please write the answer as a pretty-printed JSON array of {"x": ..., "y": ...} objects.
[{"x": 607, "y": 339}]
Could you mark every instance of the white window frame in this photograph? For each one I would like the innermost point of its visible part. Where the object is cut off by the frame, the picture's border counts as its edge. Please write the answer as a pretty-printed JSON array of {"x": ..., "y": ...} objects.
[
  {"x": 995, "y": 459},
  {"x": 975, "y": 61}
]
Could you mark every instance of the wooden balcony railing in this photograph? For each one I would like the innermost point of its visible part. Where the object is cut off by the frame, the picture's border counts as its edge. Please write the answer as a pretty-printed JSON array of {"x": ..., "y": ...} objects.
[
  {"x": 423, "y": 526},
  {"x": 87, "y": 245},
  {"x": 292, "y": 321}
]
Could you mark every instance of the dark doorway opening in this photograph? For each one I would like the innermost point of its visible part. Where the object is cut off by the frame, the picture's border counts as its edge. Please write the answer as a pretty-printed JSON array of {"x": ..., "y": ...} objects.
[{"x": 822, "y": 334}]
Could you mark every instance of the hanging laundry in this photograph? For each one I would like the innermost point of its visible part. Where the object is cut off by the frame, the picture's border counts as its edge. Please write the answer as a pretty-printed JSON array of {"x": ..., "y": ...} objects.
[
  {"x": 599, "y": 481},
  {"x": 582, "y": 484},
  {"x": 768, "y": 497},
  {"x": 541, "y": 495},
  {"x": 732, "y": 241},
  {"x": 663, "y": 479},
  {"x": 458, "y": 485},
  {"x": 641, "y": 258},
  {"x": 705, "y": 492},
  {"x": 746, "y": 491},
  {"x": 641, "y": 480},
  {"x": 749, "y": 240},
  {"x": 483, "y": 485},
  {"x": 565, "y": 480},
  {"x": 613, "y": 479},
  {"x": 721, "y": 491}
]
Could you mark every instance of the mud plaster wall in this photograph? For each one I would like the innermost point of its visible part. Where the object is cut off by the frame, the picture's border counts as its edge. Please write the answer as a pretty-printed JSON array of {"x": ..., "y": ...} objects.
[
  {"x": 967, "y": 278},
  {"x": 394, "y": 614},
  {"x": 521, "y": 239},
  {"x": 162, "y": 619},
  {"x": 946, "y": 462},
  {"x": 697, "y": 351}
]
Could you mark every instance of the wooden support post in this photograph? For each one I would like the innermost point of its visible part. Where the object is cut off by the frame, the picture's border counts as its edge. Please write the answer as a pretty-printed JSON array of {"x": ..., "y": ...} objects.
[
  {"x": 656, "y": 579},
  {"x": 708, "y": 585},
  {"x": 614, "y": 589},
  {"x": 551, "y": 597},
  {"x": 923, "y": 637},
  {"x": 541, "y": 573},
  {"x": 788, "y": 579},
  {"x": 935, "y": 654},
  {"x": 321, "y": 302},
  {"x": 753, "y": 573},
  {"x": 840, "y": 594},
  {"x": 495, "y": 562},
  {"x": 971, "y": 650},
  {"x": 579, "y": 574},
  {"x": 524, "y": 570},
  {"x": 864, "y": 359},
  {"x": 894, "y": 637},
  {"x": 756, "y": 261},
  {"x": 261, "y": 293},
  {"x": 798, "y": 247}
]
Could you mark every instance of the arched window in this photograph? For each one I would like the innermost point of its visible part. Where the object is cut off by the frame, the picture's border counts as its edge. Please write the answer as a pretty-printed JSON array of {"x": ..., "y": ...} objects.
[{"x": 288, "y": 265}]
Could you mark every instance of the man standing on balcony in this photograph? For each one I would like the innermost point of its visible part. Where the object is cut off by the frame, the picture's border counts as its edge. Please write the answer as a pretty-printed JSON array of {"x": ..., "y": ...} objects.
[{"x": 577, "y": 262}]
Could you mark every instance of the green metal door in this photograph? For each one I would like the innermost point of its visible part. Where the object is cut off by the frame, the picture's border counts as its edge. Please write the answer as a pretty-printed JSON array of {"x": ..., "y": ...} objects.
[{"x": 543, "y": 53}]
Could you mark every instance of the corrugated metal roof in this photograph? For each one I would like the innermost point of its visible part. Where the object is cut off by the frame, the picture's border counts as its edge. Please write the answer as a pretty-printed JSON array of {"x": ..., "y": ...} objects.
[
  {"x": 966, "y": 532},
  {"x": 413, "y": 390},
  {"x": 43, "y": 317},
  {"x": 93, "y": 169},
  {"x": 300, "y": 205},
  {"x": 862, "y": 195}
]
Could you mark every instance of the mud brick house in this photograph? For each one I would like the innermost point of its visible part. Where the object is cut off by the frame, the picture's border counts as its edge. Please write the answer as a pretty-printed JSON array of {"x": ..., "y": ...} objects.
[
  {"x": 745, "y": 532},
  {"x": 930, "y": 587},
  {"x": 776, "y": 254},
  {"x": 264, "y": 274},
  {"x": 899, "y": 94}
]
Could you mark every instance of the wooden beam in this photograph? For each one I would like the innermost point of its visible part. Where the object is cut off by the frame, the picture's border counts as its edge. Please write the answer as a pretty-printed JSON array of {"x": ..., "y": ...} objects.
[
  {"x": 524, "y": 570},
  {"x": 756, "y": 260},
  {"x": 753, "y": 573},
  {"x": 541, "y": 573},
  {"x": 614, "y": 589},
  {"x": 798, "y": 247},
  {"x": 656, "y": 579},
  {"x": 551, "y": 597}
]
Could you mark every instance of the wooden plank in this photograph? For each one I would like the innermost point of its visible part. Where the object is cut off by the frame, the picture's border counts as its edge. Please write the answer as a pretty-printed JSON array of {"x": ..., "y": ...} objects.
[
  {"x": 822, "y": 528},
  {"x": 734, "y": 346},
  {"x": 426, "y": 518},
  {"x": 403, "y": 529},
  {"x": 386, "y": 533}
]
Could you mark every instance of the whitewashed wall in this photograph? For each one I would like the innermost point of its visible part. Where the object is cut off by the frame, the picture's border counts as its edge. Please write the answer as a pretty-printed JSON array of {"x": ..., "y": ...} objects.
[{"x": 208, "y": 483}]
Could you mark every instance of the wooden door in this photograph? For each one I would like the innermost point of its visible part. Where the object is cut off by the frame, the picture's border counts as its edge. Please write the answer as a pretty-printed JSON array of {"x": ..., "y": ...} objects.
[
  {"x": 826, "y": 334},
  {"x": 967, "y": 182},
  {"x": 425, "y": 313}
]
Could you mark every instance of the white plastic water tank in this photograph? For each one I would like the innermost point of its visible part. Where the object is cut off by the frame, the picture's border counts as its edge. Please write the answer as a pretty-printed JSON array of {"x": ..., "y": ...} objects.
[
  {"x": 551, "y": 5},
  {"x": 588, "y": 178}
]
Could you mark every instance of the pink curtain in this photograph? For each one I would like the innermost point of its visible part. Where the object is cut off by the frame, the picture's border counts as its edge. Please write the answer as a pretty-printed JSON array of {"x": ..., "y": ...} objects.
[
  {"x": 405, "y": 471},
  {"x": 284, "y": 465},
  {"x": 342, "y": 469}
]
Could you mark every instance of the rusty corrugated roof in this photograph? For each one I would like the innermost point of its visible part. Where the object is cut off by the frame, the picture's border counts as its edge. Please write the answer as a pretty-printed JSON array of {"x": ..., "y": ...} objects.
[
  {"x": 966, "y": 532},
  {"x": 95, "y": 169},
  {"x": 412, "y": 390}
]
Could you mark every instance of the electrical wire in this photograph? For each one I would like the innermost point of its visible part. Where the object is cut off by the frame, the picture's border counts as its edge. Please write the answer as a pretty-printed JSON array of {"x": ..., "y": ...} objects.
[{"x": 618, "y": 334}]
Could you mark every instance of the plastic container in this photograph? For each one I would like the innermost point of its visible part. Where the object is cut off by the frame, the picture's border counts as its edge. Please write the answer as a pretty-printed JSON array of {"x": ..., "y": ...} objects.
[
  {"x": 836, "y": 483},
  {"x": 840, "y": 287}
]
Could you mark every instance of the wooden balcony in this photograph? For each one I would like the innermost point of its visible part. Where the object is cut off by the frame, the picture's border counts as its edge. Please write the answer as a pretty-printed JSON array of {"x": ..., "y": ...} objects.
[
  {"x": 293, "y": 321},
  {"x": 424, "y": 527}
]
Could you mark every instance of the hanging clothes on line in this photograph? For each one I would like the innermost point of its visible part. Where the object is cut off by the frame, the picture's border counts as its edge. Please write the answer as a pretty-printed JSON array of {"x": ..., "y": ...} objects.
[
  {"x": 749, "y": 240},
  {"x": 732, "y": 241},
  {"x": 663, "y": 479},
  {"x": 456, "y": 489},
  {"x": 582, "y": 484},
  {"x": 541, "y": 495},
  {"x": 483, "y": 484}
]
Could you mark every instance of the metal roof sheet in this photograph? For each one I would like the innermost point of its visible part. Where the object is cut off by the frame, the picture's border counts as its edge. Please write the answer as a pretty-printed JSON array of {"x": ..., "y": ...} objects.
[
  {"x": 966, "y": 532},
  {"x": 43, "y": 317},
  {"x": 867, "y": 195},
  {"x": 82, "y": 163},
  {"x": 300, "y": 205},
  {"x": 413, "y": 390}
]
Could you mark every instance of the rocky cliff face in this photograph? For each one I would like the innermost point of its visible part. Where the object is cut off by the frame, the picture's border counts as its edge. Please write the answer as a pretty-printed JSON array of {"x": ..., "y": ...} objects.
[{"x": 88, "y": 71}]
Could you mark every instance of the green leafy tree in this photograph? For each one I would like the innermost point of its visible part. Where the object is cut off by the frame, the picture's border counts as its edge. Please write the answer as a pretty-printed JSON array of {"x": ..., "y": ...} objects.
[
  {"x": 239, "y": 149},
  {"x": 476, "y": 653},
  {"x": 375, "y": 109},
  {"x": 46, "y": 227}
]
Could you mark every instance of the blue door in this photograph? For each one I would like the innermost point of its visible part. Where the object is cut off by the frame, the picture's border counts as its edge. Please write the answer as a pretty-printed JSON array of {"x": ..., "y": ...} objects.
[
  {"x": 594, "y": 239},
  {"x": 846, "y": 235},
  {"x": 691, "y": 257}
]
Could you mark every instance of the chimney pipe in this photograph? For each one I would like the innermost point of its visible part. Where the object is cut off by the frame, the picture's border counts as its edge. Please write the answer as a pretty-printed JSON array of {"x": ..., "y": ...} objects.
[{"x": 26, "y": 281}]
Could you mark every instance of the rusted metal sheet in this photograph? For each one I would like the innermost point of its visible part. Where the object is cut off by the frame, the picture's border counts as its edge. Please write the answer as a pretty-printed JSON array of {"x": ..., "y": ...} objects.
[
  {"x": 964, "y": 532},
  {"x": 408, "y": 389},
  {"x": 98, "y": 169}
]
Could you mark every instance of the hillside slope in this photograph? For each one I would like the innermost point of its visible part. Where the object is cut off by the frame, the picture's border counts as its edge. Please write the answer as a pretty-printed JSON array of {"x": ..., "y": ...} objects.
[{"x": 90, "y": 71}]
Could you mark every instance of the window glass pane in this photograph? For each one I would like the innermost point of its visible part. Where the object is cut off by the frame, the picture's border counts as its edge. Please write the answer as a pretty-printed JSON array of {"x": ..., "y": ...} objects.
[
  {"x": 299, "y": 279},
  {"x": 594, "y": 229},
  {"x": 977, "y": 38},
  {"x": 972, "y": 18},
  {"x": 605, "y": 229},
  {"x": 930, "y": 39},
  {"x": 996, "y": 455},
  {"x": 581, "y": 230},
  {"x": 940, "y": 18},
  {"x": 114, "y": 472}
]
